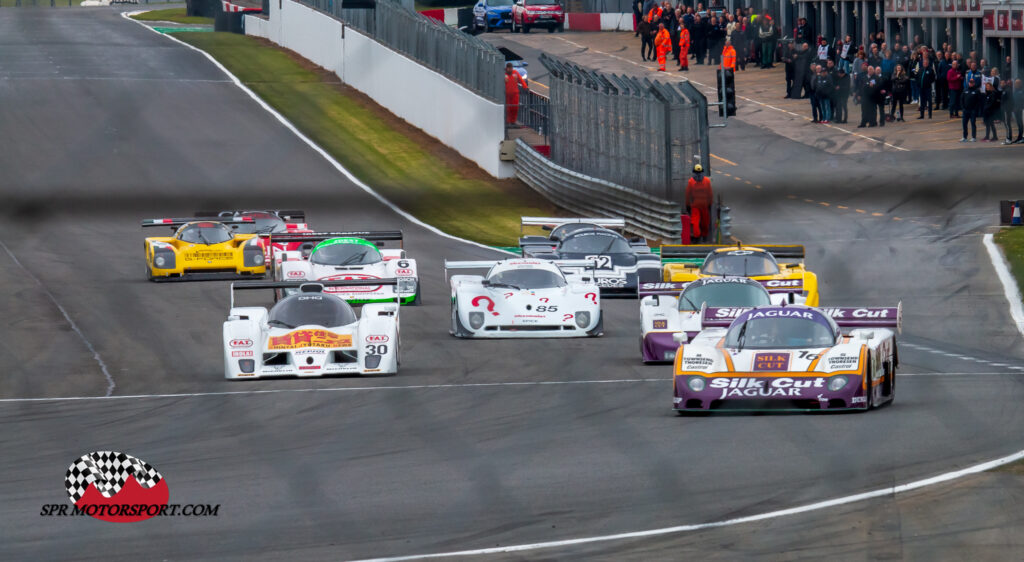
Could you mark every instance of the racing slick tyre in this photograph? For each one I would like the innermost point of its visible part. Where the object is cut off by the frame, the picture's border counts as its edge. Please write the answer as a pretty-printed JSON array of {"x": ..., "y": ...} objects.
[
  {"x": 418, "y": 300},
  {"x": 526, "y": 29},
  {"x": 599, "y": 329},
  {"x": 560, "y": 28},
  {"x": 515, "y": 29},
  {"x": 457, "y": 330}
]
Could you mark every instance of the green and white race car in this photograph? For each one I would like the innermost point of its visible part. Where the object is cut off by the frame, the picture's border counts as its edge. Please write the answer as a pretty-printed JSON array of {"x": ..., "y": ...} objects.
[{"x": 343, "y": 256}]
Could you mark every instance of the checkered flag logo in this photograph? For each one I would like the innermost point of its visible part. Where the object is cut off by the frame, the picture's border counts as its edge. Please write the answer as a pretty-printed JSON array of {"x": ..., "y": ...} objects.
[{"x": 108, "y": 471}]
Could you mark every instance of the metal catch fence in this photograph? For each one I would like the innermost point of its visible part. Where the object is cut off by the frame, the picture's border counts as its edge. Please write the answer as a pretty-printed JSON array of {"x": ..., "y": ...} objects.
[
  {"x": 641, "y": 134},
  {"x": 471, "y": 62}
]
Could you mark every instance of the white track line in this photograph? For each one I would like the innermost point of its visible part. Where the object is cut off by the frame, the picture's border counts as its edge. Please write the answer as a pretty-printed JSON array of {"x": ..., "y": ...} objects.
[
  {"x": 416, "y": 387},
  {"x": 74, "y": 327},
  {"x": 883, "y": 492},
  {"x": 332, "y": 389},
  {"x": 1010, "y": 288},
  {"x": 330, "y": 159}
]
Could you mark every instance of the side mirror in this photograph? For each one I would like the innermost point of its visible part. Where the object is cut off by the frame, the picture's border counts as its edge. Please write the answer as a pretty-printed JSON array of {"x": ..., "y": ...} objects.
[{"x": 680, "y": 337}]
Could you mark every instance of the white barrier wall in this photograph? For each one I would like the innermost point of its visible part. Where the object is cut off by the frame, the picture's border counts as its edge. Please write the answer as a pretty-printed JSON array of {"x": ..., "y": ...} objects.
[{"x": 459, "y": 118}]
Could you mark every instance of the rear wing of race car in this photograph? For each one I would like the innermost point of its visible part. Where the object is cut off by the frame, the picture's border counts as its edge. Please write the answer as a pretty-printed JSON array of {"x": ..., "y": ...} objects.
[
  {"x": 553, "y": 222},
  {"x": 845, "y": 317},
  {"x": 773, "y": 286},
  {"x": 310, "y": 286},
  {"x": 701, "y": 251},
  {"x": 285, "y": 215},
  {"x": 487, "y": 264},
  {"x": 867, "y": 316},
  {"x": 175, "y": 223},
  {"x": 371, "y": 235}
]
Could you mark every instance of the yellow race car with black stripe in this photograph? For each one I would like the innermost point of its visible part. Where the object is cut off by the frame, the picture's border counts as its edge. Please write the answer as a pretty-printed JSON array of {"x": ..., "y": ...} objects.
[
  {"x": 779, "y": 268},
  {"x": 203, "y": 249}
]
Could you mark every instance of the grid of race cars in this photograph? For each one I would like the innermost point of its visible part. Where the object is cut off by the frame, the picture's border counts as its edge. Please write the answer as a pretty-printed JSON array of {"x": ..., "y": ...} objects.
[{"x": 741, "y": 325}]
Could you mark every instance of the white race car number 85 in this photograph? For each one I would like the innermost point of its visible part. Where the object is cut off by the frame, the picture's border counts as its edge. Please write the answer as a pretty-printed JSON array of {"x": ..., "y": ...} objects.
[{"x": 603, "y": 262}]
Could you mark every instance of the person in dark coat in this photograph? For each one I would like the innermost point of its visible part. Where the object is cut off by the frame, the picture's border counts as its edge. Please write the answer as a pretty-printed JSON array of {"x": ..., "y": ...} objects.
[
  {"x": 804, "y": 32},
  {"x": 1018, "y": 105},
  {"x": 900, "y": 91},
  {"x": 972, "y": 100},
  {"x": 739, "y": 42},
  {"x": 989, "y": 111},
  {"x": 699, "y": 38},
  {"x": 881, "y": 94},
  {"x": 842, "y": 96},
  {"x": 1009, "y": 109},
  {"x": 866, "y": 95},
  {"x": 801, "y": 77},
  {"x": 926, "y": 79},
  {"x": 788, "y": 58},
  {"x": 716, "y": 40}
]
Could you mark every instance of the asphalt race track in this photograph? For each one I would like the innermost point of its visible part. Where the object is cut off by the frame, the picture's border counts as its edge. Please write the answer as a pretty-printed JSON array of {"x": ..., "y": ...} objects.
[{"x": 473, "y": 444}]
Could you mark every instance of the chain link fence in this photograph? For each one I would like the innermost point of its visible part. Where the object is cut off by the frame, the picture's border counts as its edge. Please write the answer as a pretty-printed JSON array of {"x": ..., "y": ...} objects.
[
  {"x": 471, "y": 62},
  {"x": 640, "y": 134}
]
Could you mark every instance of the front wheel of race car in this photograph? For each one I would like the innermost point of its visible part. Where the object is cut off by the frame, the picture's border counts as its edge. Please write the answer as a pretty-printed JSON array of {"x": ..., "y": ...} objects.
[
  {"x": 598, "y": 329},
  {"x": 418, "y": 299},
  {"x": 457, "y": 329}
]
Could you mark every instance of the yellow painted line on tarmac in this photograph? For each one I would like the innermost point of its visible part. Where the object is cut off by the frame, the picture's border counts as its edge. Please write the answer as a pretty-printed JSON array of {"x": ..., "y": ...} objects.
[
  {"x": 545, "y": 86},
  {"x": 727, "y": 161},
  {"x": 860, "y": 210},
  {"x": 824, "y": 203},
  {"x": 748, "y": 182},
  {"x": 896, "y": 219},
  {"x": 809, "y": 200},
  {"x": 757, "y": 186},
  {"x": 791, "y": 196},
  {"x": 842, "y": 207},
  {"x": 877, "y": 215}
]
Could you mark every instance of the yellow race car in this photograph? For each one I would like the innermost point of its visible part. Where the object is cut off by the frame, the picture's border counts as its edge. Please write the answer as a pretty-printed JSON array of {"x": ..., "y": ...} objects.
[
  {"x": 779, "y": 268},
  {"x": 203, "y": 249}
]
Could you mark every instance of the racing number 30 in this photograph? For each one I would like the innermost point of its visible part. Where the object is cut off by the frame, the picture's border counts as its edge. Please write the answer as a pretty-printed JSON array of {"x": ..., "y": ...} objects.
[{"x": 380, "y": 349}]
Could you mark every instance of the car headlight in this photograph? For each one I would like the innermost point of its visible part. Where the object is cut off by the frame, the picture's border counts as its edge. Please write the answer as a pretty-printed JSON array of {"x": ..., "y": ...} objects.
[
  {"x": 836, "y": 383},
  {"x": 372, "y": 361},
  {"x": 406, "y": 285},
  {"x": 696, "y": 383},
  {"x": 583, "y": 319},
  {"x": 476, "y": 320},
  {"x": 159, "y": 261},
  {"x": 258, "y": 259}
]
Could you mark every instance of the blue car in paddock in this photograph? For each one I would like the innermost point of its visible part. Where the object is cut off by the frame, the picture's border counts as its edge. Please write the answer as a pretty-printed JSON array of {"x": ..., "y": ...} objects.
[{"x": 492, "y": 14}]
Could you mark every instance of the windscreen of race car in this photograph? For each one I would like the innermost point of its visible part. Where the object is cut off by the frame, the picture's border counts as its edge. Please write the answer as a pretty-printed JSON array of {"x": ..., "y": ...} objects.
[
  {"x": 723, "y": 294},
  {"x": 742, "y": 263},
  {"x": 320, "y": 310},
  {"x": 205, "y": 233},
  {"x": 526, "y": 279},
  {"x": 780, "y": 333},
  {"x": 263, "y": 223},
  {"x": 596, "y": 243},
  {"x": 345, "y": 254}
]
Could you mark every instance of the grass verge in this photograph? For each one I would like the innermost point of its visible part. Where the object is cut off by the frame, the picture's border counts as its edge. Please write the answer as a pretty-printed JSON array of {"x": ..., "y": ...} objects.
[
  {"x": 410, "y": 168},
  {"x": 1011, "y": 240},
  {"x": 176, "y": 15}
]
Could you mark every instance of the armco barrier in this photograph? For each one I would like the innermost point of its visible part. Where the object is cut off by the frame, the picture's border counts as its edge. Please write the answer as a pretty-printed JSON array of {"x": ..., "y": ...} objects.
[
  {"x": 459, "y": 118},
  {"x": 644, "y": 214}
]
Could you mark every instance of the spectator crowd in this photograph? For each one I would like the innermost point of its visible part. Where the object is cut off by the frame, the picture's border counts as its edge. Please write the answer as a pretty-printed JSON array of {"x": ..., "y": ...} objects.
[{"x": 883, "y": 77}]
